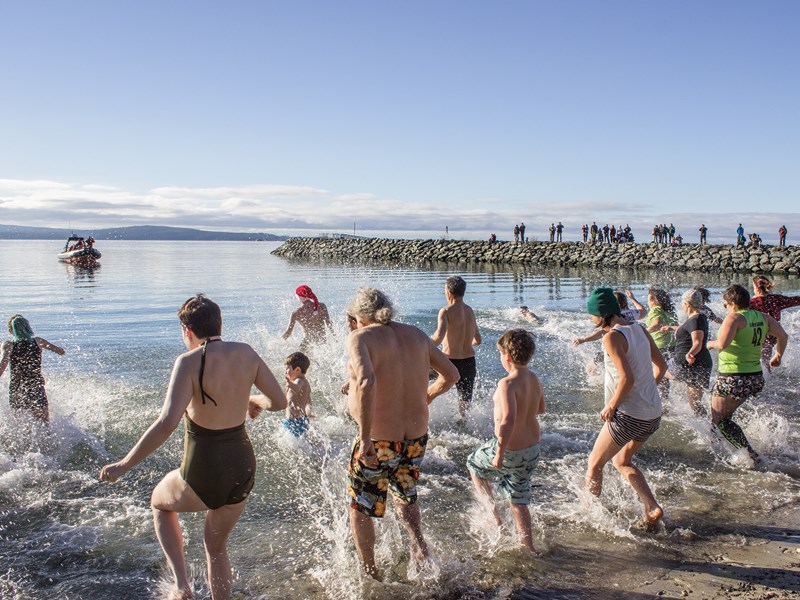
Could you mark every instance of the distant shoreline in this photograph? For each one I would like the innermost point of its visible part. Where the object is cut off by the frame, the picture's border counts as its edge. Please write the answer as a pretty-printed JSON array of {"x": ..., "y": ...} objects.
[{"x": 139, "y": 233}]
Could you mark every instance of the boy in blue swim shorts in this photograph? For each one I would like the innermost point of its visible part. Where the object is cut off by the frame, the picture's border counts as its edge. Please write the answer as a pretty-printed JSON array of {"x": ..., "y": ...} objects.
[
  {"x": 511, "y": 456},
  {"x": 298, "y": 394}
]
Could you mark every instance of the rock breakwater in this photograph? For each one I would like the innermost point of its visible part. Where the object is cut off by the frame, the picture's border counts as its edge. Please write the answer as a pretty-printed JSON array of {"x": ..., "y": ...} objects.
[{"x": 690, "y": 257}]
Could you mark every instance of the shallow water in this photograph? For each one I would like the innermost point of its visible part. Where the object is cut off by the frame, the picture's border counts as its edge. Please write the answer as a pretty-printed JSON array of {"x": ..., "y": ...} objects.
[{"x": 66, "y": 535}]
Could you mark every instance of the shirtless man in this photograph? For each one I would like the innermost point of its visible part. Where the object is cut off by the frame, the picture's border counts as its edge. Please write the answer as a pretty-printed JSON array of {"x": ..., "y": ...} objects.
[
  {"x": 388, "y": 398},
  {"x": 312, "y": 317},
  {"x": 458, "y": 333}
]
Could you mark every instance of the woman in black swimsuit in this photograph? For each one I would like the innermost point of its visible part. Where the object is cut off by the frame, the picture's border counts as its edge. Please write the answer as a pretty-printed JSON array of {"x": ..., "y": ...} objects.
[
  {"x": 210, "y": 390},
  {"x": 24, "y": 353}
]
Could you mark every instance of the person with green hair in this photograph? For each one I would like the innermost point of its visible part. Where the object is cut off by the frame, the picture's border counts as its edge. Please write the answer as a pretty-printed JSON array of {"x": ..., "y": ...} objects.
[
  {"x": 24, "y": 354},
  {"x": 632, "y": 411}
]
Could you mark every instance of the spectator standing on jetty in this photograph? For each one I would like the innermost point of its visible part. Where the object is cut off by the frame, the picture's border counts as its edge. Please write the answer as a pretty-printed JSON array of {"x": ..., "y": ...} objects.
[
  {"x": 585, "y": 232},
  {"x": 671, "y": 232},
  {"x": 771, "y": 304},
  {"x": 312, "y": 317},
  {"x": 613, "y": 234},
  {"x": 553, "y": 232},
  {"x": 516, "y": 233},
  {"x": 210, "y": 391},
  {"x": 24, "y": 353},
  {"x": 388, "y": 365},
  {"x": 457, "y": 332},
  {"x": 606, "y": 230},
  {"x": 740, "y": 240},
  {"x": 593, "y": 232},
  {"x": 522, "y": 232},
  {"x": 703, "y": 231},
  {"x": 782, "y": 231},
  {"x": 559, "y": 231},
  {"x": 632, "y": 412},
  {"x": 740, "y": 376}
]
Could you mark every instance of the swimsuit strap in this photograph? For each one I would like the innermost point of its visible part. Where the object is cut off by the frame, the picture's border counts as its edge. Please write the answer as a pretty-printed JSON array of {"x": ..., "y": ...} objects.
[{"x": 203, "y": 395}]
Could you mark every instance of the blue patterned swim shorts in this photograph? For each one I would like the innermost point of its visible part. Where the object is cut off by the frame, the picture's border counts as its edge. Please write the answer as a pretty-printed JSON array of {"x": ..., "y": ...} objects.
[{"x": 515, "y": 474}]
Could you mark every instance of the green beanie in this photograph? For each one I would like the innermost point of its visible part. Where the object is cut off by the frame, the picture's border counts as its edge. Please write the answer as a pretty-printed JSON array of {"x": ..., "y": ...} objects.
[{"x": 602, "y": 303}]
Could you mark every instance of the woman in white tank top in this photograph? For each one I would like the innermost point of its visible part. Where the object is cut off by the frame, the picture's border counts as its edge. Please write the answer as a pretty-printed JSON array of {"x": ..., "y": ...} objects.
[{"x": 632, "y": 410}]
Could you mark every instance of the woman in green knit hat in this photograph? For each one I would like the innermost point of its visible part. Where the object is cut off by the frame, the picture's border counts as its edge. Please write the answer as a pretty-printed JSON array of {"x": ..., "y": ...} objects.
[{"x": 632, "y": 411}]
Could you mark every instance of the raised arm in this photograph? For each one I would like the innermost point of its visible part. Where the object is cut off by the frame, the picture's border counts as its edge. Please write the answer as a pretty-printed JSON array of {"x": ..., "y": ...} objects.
[
  {"x": 179, "y": 394},
  {"x": 727, "y": 331},
  {"x": 637, "y": 305},
  {"x": 592, "y": 337},
  {"x": 506, "y": 404},
  {"x": 448, "y": 374},
  {"x": 273, "y": 398},
  {"x": 789, "y": 301},
  {"x": 777, "y": 330},
  {"x": 441, "y": 328},
  {"x": 5, "y": 356},
  {"x": 43, "y": 343},
  {"x": 290, "y": 327}
]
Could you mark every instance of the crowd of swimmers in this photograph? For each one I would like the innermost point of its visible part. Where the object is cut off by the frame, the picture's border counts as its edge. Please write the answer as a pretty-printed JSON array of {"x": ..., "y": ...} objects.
[{"x": 389, "y": 390}]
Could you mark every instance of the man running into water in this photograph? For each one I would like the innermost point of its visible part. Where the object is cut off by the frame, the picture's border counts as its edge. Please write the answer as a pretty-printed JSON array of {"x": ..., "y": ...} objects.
[
  {"x": 312, "y": 317},
  {"x": 388, "y": 397},
  {"x": 457, "y": 332}
]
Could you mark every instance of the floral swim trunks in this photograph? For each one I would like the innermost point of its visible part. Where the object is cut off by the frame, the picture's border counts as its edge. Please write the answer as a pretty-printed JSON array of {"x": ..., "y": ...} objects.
[
  {"x": 514, "y": 475},
  {"x": 738, "y": 387},
  {"x": 397, "y": 471}
]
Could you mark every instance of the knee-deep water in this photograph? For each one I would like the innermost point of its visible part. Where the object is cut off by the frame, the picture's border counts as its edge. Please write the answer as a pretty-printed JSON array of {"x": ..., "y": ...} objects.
[{"x": 67, "y": 535}]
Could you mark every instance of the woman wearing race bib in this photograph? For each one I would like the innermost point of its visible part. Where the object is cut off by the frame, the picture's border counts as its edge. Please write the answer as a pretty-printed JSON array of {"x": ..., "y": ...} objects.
[{"x": 739, "y": 342}]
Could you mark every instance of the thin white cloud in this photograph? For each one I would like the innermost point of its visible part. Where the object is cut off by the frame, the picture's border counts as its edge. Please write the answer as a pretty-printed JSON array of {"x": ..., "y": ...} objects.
[{"x": 281, "y": 208}]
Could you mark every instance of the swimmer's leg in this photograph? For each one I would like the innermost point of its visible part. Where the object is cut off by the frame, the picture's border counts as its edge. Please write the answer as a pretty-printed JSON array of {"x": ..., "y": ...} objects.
[
  {"x": 635, "y": 478},
  {"x": 604, "y": 450},
  {"x": 722, "y": 409},
  {"x": 364, "y": 536},
  {"x": 694, "y": 395},
  {"x": 171, "y": 496},
  {"x": 409, "y": 517},
  {"x": 522, "y": 519},
  {"x": 485, "y": 494},
  {"x": 218, "y": 526}
]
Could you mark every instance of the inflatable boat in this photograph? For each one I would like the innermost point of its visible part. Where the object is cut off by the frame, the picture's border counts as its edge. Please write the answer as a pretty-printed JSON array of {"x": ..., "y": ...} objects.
[{"x": 80, "y": 251}]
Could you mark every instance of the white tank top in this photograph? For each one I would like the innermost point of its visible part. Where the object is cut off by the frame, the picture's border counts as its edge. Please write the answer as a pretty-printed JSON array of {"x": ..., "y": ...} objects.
[{"x": 642, "y": 401}]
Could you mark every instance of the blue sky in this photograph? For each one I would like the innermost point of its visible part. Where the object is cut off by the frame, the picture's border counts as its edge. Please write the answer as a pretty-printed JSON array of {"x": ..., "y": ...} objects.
[{"x": 403, "y": 117}]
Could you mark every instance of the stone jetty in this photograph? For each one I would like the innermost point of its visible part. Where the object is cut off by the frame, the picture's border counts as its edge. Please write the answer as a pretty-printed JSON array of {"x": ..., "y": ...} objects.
[{"x": 689, "y": 257}]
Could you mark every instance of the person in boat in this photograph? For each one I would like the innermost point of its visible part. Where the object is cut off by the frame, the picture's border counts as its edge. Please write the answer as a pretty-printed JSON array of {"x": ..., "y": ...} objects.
[
  {"x": 26, "y": 389},
  {"x": 632, "y": 411},
  {"x": 312, "y": 316},
  {"x": 210, "y": 391}
]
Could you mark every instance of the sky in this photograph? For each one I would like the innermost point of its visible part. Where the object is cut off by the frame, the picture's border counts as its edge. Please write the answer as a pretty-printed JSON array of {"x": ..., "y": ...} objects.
[{"x": 401, "y": 118}]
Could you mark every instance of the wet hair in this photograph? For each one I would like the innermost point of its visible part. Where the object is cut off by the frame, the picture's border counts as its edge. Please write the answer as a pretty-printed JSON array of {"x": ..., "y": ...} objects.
[
  {"x": 762, "y": 284},
  {"x": 456, "y": 286},
  {"x": 693, "y": 298},
  {"x": 372, "y": 305},
  {"x": 298, "y": 359},
  {"x": 202, "y": 316},
  {"x": 704, "y": 293},
  {"x": 20, "y": 328},
  {"x": 519, "y": 343},
  {"x": 737, "y": 295},
  {"x": 622, "y": 299},
  {"x": 662, "y": 298}
]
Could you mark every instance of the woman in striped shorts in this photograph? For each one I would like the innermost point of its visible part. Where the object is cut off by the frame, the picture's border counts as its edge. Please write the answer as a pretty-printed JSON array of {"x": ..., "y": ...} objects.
[{"x": 632, "y": 411}]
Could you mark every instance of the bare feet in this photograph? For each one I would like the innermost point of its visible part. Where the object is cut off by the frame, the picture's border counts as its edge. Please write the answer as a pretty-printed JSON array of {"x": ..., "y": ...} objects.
[
  {"x": 373, "y": 572},
  {"x": 652, "y": 518},
  {"x": 178, "y": 594}
]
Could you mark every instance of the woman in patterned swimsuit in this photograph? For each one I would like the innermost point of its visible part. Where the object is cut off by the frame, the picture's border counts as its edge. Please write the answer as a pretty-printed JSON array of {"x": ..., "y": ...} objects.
[{"x": 771, "y": 304}]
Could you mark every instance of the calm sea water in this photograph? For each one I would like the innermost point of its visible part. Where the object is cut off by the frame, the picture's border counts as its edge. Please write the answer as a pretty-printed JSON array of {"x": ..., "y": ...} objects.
[{"x": 66, "y": 535}]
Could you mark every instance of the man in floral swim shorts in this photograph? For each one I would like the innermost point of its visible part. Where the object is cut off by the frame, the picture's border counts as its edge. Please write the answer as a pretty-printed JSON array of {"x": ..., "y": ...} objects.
[
  {"x": 388, "y": 397},
  {"x": 398, "y": 472}
]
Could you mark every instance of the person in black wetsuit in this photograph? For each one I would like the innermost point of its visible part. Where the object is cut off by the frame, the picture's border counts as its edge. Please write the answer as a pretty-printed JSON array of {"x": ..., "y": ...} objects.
[
  {"x": 210, "y": 390},
  {"x": 24, "y": 354}
]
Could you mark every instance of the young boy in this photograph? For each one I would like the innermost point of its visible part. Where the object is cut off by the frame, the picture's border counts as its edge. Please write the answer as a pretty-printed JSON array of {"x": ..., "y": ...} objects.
[
  {"x": 512, "y": 454},
  {"x": 298, "y": 395}
]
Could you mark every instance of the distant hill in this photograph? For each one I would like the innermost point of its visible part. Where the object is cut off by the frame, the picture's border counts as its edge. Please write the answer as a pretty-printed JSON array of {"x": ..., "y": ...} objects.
[{"x": 139, "y": 232}]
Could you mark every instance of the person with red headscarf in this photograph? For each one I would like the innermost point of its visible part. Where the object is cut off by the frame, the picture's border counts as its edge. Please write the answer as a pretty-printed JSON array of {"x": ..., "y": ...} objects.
[{"x": 312, "y": 317}]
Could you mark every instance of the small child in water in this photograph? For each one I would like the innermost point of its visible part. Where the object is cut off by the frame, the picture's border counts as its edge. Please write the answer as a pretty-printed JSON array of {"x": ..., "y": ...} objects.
[
  {"x": 298, "y": 393},
  {"x": 513, "y": 453}
]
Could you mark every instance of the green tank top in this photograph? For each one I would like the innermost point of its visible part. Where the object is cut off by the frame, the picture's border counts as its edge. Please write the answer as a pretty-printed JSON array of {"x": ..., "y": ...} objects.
[
  {"x": 743, "y": 356},
  {"x": 666, "y": 339}
]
